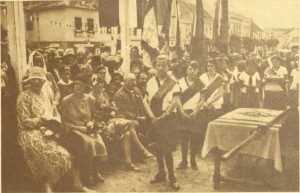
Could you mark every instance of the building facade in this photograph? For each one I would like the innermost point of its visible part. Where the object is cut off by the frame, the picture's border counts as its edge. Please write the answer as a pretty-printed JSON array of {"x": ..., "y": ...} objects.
[
  {"x": 239, "y": 25},
  {"x": 65, "y": 25},
  {"x": 187, "y": 12}
]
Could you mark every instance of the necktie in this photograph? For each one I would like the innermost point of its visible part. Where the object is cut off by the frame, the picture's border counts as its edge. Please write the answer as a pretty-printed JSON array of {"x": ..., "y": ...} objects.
[{"x": 250, "y": 80}]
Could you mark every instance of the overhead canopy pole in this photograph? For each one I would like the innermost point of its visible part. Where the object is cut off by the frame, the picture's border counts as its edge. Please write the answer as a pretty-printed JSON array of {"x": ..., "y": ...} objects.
[
  {"x": 125, "y": 40},
  {"x": 16, "y": 39}
]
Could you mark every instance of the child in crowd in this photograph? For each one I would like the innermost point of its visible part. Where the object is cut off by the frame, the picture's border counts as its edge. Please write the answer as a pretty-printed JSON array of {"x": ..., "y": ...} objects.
[
  {"x": 250, "y": 83},
  {"x": 64, "y": 84}
]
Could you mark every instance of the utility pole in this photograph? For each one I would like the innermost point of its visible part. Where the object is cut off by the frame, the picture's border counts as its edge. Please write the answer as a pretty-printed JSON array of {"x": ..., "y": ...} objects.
[
  {"x": 125, "y": 38},
  {"x": 16, "y": 39}
]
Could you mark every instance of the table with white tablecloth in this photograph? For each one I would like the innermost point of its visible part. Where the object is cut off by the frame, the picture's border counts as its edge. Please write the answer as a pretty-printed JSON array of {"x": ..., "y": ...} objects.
[{"x": 230, "y": 130}]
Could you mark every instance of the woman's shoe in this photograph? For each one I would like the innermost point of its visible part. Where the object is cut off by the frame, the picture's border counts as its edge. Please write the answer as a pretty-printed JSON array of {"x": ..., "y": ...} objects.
[
  {"x": 160, "y": 177},
  {"x": 175, "y": 185},
  {"x": 182, "y": 166},
  {"x": 83, "y": 189},
  {"x": 147, "y": 154},
  {"x": 47, "y": 188},
  {"x": 132, "y": 167},
  {"x": 90, "y": 182},
  {"x": 173, "y": 182},
  {"x": 98, "y": 177},
  {"x": 194, "y": 165}
]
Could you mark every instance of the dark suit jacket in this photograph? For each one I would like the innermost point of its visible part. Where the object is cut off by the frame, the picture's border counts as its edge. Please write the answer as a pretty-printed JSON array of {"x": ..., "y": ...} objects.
[
  {"x": 74, "y": 70},
  {"x": 130, "y": 105},
  {"x": 56, "y": 78}
]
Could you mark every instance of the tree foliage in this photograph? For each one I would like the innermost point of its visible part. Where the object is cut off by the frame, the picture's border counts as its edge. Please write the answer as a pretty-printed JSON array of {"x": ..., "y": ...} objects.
[
  {"x": 272, "y": 43},
  {"x": 235, "y": 43}
]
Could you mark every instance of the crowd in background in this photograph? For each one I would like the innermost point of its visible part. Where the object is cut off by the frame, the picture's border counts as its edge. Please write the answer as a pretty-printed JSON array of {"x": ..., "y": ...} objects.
[{"x": 90, "y": 95}]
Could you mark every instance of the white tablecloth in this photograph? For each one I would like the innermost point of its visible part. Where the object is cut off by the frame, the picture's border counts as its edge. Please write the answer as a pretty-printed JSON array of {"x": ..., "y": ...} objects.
[{"x": 231, "y": 129}]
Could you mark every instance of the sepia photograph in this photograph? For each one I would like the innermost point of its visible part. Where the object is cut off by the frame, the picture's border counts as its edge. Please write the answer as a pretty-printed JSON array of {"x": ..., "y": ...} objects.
[{"x": 150, "y": 96}]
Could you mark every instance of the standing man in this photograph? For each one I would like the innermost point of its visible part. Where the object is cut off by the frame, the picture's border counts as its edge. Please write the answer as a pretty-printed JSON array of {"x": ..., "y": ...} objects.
[{"x": 80, "y": 58}]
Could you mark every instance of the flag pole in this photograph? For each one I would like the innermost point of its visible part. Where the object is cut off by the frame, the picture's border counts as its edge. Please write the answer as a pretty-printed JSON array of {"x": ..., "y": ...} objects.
[
  {"x": 225, "y": 27},
  {"x": 198, "y": 51},
  {"x": 125, "y": 39},
  {"x": 216, "y": 23}
]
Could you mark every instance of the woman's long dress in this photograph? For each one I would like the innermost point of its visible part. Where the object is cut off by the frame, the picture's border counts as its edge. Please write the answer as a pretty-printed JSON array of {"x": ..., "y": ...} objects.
[
  {"x": 46, "y": 159},
  {"x": 79, "y": 113}
]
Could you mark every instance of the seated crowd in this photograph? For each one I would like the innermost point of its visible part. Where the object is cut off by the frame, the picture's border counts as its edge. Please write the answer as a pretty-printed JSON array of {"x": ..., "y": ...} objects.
[{"x": 75, "y": 105}]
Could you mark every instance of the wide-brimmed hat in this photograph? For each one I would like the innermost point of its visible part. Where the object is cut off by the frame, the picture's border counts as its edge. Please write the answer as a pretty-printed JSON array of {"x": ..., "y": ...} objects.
[
  {"x": 36, "y": 72},
  {"x": 69, "y": 51},
  {"x": 85, "y": 80},
  {"x": 276, "y": 57}
]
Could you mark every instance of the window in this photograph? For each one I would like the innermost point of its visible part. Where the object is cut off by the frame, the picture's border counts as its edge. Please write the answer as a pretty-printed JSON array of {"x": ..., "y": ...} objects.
[
  {"x": 103, "y": 30},
  {"x": 108, "y": 30},
  {"x": 78, "y": 24},
  {"x": 29, "y": 25},
  {"x": 135, "y": 31},
  {"x": 90, "y": 25}
]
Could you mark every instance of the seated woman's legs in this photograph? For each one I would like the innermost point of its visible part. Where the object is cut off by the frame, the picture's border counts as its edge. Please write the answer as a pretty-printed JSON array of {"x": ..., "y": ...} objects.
[
  {"x": 137, "y": 142},
  {"x": 77, "y": 180},
  {"x": 126, "y": 145}
]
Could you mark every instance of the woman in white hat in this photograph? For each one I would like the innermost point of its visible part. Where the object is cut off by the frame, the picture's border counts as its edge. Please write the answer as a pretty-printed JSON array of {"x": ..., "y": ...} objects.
[{"x": 47, "y": 160}]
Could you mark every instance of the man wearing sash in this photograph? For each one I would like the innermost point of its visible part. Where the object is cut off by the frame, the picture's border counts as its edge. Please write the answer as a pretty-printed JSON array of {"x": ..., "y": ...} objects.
[
  {"x": 189, "y": 106},
  {"x": 214, "y": 91},
  {"x": 160, "y": 102}
]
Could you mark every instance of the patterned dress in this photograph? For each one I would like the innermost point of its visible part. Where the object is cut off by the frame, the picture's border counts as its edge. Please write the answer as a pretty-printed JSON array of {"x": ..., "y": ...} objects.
[
  {"x": 111, "y": 129},
  {"x": 46, "y": 159}
]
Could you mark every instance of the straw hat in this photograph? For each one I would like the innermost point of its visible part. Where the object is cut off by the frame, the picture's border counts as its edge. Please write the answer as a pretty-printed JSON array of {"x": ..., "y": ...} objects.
[{"x": 36, "y": 72}]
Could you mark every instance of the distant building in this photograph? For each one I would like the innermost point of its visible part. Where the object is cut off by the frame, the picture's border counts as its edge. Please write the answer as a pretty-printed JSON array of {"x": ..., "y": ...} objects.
[
  {"x": 257, "y": 32},
  {"x": 70, "y": 24},
  {"x": 239, "y": 25},
  {"x": 290, "y": 38},
  {"x": 285, "y": 36},
  {"x": 187, "y": 12}
]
